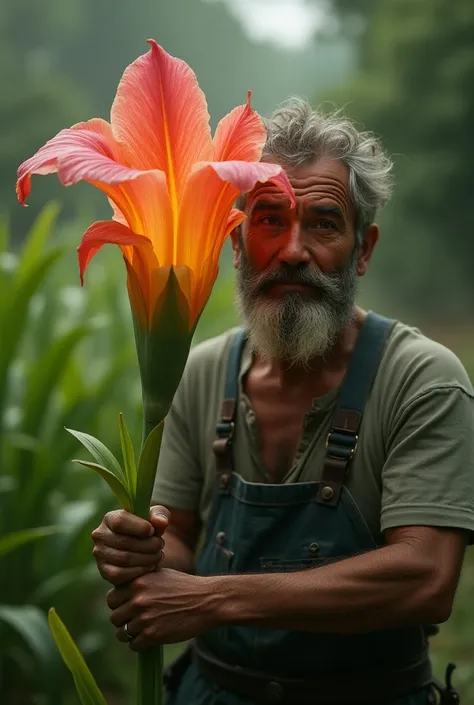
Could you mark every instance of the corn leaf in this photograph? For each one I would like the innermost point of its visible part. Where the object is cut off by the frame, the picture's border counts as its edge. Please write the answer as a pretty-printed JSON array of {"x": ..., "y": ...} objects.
[
  {"x": 19, "y": 538},
  {"x": 128, "y": 457},
  {"x": 44, "y": 374},
  {"x": 14, "y": 316},
  {"x": 118, "y": 486},
  {"x": 86, "y": 687},
  {"x": 30, "y": 623},
  {"x": 36, "y": 242},
  {"x": 101, "y": 453},
  {"x": 147, "y": 471}
]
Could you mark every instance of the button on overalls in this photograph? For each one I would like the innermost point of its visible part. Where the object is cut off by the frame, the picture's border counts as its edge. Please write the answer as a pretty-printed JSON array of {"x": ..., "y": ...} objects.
[{"x": 270, "y": 528}]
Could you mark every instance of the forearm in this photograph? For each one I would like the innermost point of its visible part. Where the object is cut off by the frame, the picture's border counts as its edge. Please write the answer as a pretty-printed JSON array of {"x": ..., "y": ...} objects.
[
  {"x": 177, "y": 555},
  {"x": 385, "y": 588}
]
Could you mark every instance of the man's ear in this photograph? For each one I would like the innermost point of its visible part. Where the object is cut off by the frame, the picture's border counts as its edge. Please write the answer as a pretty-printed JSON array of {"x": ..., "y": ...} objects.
[
  {"x": 236, "y": 237},
  {"x": 371, "y": 235}
]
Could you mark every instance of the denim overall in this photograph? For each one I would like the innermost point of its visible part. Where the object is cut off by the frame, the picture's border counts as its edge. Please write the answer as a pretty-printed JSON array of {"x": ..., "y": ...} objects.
[{"x": 270, "y": 528}]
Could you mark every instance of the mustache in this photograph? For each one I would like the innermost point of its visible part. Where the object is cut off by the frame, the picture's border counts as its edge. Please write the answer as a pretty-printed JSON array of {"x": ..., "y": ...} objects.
[{"x": 293, "y": 275}]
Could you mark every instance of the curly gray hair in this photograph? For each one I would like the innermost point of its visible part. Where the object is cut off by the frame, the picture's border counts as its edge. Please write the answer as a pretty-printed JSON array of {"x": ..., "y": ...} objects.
[{"x": 298, "y": 135}]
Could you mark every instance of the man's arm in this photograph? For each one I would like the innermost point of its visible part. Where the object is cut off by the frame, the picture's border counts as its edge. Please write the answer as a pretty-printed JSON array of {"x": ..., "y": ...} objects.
[{"x": 412, "y": 580}]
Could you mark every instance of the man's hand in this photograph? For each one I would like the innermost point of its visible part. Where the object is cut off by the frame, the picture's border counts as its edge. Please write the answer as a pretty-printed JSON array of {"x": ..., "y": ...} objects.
[
  {"x": 164, "y": 607},
  {"x": 127, "y": 547}
]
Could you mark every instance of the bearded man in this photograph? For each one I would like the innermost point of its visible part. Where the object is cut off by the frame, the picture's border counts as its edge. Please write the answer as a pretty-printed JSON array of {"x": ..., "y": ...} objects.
[{"x": 315, "y": 490}]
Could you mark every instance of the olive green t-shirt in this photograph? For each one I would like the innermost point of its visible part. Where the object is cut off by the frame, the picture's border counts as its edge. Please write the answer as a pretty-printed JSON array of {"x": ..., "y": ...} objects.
[{"x": 414, "y": 463}]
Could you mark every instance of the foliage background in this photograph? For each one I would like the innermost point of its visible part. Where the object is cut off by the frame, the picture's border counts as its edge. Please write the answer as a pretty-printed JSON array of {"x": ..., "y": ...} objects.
[{"x": 403, "y": 68}]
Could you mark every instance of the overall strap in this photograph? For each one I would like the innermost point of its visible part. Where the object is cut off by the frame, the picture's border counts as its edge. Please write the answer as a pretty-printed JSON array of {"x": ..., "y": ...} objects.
[
  {"x": 225, "y": 427},
  {"x": 341, "y": 443}
]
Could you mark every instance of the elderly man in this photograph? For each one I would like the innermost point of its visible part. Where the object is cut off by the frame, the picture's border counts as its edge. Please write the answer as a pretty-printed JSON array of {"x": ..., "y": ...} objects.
[{"x": 316, "y": 482}]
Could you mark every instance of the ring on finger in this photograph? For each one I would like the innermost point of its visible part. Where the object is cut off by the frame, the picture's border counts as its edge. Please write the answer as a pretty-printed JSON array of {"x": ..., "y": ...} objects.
[{"x": 126, "y": 632}]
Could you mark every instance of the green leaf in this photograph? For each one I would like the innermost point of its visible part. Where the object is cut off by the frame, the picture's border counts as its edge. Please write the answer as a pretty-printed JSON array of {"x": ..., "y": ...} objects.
[
  {"x": 100, "y": 452},
  {"x": 18, "y": 538},
  {"x": 14, "y": 318},
  {"x": 31, "y": 625},
  {"x": 128, "y": 456},
  {"x": 147, "y": 471},
  {"x": 86, "y": 686},
  {"x": 36, "y": 241},
  {"x": 118, "y": 487},
  {"x": 44, "y": 375}
]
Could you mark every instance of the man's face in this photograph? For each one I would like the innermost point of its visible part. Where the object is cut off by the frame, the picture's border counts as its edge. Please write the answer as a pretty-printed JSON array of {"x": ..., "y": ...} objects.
[{"x": 297, "y": 268}]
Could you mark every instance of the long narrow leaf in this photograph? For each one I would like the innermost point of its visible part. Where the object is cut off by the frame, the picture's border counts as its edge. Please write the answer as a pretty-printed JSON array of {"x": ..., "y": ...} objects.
[
  {"x": 36, "y": 241},
  {"x": 100, "y": 452},
  {"x": 117, "y": 486},
  {"x": 31, "y": 625},
  {"x": 86, "y": 686},
  {"x": 128, "y": 456},
  {"x": 44, "y": 374},
  {"x": 14, "y": 315},
  {"x": 147, "y": 471},
  {"x": 19, "y": 538}
]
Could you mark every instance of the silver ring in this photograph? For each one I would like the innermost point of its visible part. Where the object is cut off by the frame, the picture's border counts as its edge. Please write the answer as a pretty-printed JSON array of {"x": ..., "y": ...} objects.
[{"x": 126, "y": 632}]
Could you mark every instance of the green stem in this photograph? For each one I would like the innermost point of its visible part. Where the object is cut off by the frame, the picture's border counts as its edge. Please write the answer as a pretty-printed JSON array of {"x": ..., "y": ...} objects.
[{"x": 150, "y": 662}]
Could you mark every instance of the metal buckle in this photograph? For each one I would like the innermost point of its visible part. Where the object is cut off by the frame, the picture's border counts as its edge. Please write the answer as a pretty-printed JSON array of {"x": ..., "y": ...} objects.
[{"x": 353, "y": 450}]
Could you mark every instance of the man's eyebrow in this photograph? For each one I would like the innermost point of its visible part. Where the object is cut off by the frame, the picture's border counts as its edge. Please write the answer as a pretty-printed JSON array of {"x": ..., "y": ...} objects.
[
  {"x": 326, "y": 210},
  {"x": 269, "y": 206}
]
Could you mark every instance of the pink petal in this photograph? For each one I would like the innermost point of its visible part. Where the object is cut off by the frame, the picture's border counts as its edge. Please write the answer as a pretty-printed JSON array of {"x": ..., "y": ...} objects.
[
  {"x": 160, "y": 113},
  {"x": 241, "y": 135},
  {"x": 244, "y": 175}
]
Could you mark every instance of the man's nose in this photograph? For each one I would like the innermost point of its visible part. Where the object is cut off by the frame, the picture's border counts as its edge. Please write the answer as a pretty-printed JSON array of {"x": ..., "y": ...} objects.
[{"x": 295, "y": 250}]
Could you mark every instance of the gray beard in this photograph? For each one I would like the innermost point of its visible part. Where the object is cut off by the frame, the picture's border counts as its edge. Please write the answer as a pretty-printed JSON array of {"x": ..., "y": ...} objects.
[{"x": 295, "y": 328}]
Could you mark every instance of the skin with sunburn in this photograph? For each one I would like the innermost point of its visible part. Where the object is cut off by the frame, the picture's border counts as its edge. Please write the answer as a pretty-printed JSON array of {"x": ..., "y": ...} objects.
[{"x": 172, "y": 604}]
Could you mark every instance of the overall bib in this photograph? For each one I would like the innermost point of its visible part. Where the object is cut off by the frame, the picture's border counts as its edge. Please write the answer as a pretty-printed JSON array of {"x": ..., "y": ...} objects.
[{"x": 270, "y": 528}]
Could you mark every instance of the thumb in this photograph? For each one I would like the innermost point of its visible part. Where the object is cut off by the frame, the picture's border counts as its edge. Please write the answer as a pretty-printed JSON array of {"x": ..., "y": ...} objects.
[{"x": 159, "y": 518}]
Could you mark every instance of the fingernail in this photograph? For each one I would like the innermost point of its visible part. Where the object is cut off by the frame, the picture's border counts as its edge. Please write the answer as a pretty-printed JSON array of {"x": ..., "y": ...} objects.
[
  {"x": 151, "y": 532},
  {"x": 162, "y": 517}
]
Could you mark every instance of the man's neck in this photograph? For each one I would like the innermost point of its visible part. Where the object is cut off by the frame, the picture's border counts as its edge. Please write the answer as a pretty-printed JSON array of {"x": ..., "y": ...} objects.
[{"x": 326, "y": 371}]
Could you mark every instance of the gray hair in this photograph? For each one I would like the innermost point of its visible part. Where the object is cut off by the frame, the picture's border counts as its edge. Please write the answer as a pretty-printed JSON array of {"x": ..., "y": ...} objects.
[{"x": 298, "y": 135}]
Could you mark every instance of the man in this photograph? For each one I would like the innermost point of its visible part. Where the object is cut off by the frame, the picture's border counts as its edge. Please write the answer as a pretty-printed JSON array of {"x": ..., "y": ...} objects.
[{"x": 325, "y": 455}]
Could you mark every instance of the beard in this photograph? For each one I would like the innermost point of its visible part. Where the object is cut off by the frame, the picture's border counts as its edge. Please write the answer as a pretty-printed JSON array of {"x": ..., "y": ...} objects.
[{"x": 295, "y": 327}]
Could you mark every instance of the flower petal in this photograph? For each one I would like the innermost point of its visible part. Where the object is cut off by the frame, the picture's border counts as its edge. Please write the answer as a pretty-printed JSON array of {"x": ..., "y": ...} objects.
[
  {"x": 241, "y": 135},
  {"x": 160, "y": 113},
  {"x": 244, "y": 175},
  {"x": 106, "y": 232},
  {"x": 84, "y": 152}
]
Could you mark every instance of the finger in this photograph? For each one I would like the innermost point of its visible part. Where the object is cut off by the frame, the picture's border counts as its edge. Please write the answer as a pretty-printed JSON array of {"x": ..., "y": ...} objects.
[
  {"x": 121, "y": 542},
  {"x": 159, "y": 517},
  {"x": 124, "y": 559},
  {"x": 118, "y": 596},
  {"x": 123, "y": 615},
  {"x": 122, "y": 522},
  {"x": 117, "y": 576}
]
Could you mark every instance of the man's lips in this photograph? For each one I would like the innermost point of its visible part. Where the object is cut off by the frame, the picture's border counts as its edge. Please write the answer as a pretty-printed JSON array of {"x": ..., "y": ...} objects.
[{"x": 281, "y": 288}]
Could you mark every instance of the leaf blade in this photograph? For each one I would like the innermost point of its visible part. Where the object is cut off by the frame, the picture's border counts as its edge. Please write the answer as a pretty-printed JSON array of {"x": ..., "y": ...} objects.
[
  {"x": 86, "y": 685},
  {"x": 147, "y": 470},
  {"x": 100, "y": 452},
  {"x": 128, "y": 457},
  {"x": 119, "y": 489}
]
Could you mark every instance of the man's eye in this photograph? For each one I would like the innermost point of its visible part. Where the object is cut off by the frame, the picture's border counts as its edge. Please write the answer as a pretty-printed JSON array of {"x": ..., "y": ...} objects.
[
  {"x": 324, "y": 225},
  {"x": 272, "y": 220}
]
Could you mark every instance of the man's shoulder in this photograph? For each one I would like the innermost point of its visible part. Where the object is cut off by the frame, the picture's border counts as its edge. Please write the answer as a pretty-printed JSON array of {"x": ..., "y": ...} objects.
[
  {"x": 413, "y": 361},
  {"x": 207, "y": 363}
]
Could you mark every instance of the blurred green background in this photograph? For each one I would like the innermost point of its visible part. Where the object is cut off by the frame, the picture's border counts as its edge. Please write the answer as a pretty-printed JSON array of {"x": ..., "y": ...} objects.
[{"x": 403, "y": 68}]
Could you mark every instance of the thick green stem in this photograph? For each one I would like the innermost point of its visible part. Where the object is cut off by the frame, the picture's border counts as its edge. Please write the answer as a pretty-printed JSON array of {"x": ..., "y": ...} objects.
[{"x": 150, "y": 662}]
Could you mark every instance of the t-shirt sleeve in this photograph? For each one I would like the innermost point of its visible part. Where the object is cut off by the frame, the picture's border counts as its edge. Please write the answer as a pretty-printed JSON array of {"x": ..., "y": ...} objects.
[
  {"x": 428, "y": 477},
  {"x": 178, "y": 481}
]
